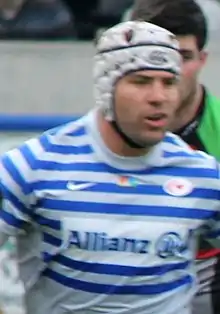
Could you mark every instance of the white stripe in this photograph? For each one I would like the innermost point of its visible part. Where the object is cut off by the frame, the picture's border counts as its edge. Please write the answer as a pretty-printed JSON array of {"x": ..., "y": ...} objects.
[
  {"x": 53, "y": 214},
  {"x": 35, "y": 147},
  {"x": 172, "y": 148},
  {"x": 10, "y": 208},
  {"x": 113, "y": 279},
  {"x": 12, "y": 186},
  {"x": 6, "y": 231},
  {"x": 77, "y": 141},
  {"x": 129, "y": 199},
  {"x": 21, "y": 165},
  {"x": 66, "y": 159},
  {"x": 70, "y": 127},
  {"x": 51, "y": 231},
  {"x": 80, "y": 302},
  {"x": 106, "y": 177}
]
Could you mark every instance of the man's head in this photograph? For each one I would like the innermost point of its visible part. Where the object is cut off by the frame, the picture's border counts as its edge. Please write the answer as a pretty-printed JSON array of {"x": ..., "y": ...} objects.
[
  {"x": 137, "y": 68},
  {"x": 186, "y": 20}
]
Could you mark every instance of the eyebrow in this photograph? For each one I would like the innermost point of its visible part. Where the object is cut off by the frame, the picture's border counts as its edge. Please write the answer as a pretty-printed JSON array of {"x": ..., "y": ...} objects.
[
  {"x": 186, "y": 51},
  {"x": 134, "y": 75},
  {"x": 148, "y": 77}
]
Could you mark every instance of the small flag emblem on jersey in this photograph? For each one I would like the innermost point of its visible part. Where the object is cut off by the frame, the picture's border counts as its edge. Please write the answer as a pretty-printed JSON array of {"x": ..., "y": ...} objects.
[
  {"x": 178, "y": 187},
  {"x": 127, "y": 181}
]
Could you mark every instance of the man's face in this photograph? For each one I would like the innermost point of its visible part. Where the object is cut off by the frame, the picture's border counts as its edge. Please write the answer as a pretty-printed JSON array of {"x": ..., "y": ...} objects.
[
  {"x": 193, "y": 61},
  {"x": 145, "y": 103}
]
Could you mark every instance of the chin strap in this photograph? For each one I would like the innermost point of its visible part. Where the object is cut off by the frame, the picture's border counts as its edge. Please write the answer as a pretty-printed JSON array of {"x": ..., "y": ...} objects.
[{"x": 125, "y": 138}]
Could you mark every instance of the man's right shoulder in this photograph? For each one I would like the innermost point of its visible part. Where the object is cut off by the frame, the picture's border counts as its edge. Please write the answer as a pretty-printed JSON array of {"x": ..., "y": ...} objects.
[
  {"x": 68, "y": 130},
  {"x": 37, "y": 158},
  {"x": 57, "y": 141}
]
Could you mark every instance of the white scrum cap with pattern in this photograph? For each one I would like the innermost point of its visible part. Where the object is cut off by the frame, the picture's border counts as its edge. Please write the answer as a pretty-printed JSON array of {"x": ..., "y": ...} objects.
[{"x": 127, "y": 47}]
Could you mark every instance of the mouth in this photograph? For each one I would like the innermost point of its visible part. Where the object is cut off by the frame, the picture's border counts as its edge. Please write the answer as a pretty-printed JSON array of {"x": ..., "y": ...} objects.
[{"x": 158, "y": 120}]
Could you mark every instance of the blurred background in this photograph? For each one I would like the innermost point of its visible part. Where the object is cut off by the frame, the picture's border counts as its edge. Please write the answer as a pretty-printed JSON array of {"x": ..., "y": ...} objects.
[
  {"x": 46, "y": 58},
  {"x": 46, "y": 49}
]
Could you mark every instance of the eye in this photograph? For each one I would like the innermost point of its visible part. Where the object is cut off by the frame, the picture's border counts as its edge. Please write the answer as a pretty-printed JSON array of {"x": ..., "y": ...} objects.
[
  {"x": 170, "y": 81},
  {"x": 187, "y": 55}
]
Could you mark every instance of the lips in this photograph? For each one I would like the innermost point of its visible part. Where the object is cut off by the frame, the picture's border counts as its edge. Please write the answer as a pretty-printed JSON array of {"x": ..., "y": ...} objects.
[{"x": 158, "y": 120}]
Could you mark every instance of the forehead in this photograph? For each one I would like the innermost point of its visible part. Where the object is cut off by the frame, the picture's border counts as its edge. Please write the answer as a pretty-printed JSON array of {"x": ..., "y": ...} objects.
[
  {"x": 187, "y": 42},
  {"x": 151, "y": 74}
]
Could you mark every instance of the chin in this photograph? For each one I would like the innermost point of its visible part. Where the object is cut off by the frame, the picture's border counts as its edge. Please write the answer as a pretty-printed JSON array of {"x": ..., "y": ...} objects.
[{"x": 154, "y": 139}]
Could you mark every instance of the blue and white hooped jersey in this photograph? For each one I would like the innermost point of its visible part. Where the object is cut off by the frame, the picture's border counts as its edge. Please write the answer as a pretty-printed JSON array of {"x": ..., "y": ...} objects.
[{"x": 99, "y": 233}]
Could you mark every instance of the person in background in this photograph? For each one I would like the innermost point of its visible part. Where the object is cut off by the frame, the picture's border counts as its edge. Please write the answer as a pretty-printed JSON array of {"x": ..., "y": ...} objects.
[
  {"x": 197, "y": 120},
  {"x": 35, "y": 19}
]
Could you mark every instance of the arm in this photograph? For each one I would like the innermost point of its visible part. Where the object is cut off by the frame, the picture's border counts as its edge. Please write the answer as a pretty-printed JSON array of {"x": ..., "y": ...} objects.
[
  {"x": 211, "y": 233},
  {"x": 16, "y": 189}
]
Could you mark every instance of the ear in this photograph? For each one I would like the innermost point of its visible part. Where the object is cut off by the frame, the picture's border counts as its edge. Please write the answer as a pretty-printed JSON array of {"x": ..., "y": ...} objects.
[{"x": 203, "y": 57}]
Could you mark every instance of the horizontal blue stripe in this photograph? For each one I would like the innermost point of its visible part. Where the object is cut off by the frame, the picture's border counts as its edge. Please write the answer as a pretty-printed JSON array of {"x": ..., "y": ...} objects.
[
  {"x": 10, "y": 219},
  {"x": 78, "y": 131},
  {"x": 51, "y": 223},
  {"x": 141, "y": 189},
  {"x": 117, "y": 270},
  {"x": 171, "y": 139},
  {"x": 7, "y": 195},
  {"x": 52, "y": 240},
  {"x": 124, "y": 209},
  {"x": 68, "y": 150},
  {"x": 60, "y": 130},
  {"x": 64, "y": 149},
  {"x": 116, "y": 289},
  {"x": 213, "y": 234},
  {"x": 28, "y": 156},
  {"x": 101, "y": 167},
  {"x": 104, "y": 168},
  {"x": 182, "y": 154},
  {"x": 12, "y": 168}
]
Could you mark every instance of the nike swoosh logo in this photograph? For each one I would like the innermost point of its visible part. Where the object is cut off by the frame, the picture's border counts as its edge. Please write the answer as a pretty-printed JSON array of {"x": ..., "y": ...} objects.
[{"x": 77, "y": 187}]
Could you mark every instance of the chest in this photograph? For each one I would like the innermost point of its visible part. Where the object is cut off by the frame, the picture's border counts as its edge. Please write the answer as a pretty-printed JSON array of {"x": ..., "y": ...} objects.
[
  {"x": 151, "y": 195},
  {"x": 137, "y": 215}
]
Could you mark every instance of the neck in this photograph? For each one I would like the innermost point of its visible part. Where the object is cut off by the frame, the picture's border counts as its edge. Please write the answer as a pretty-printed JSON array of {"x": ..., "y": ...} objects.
[
  {"x": 187, "y": 111},
  {"x": 114, "y": 141}
]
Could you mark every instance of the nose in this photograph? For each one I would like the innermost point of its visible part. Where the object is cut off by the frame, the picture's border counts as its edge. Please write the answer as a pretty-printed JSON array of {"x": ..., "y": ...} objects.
[{"x": 157, "y": 93}]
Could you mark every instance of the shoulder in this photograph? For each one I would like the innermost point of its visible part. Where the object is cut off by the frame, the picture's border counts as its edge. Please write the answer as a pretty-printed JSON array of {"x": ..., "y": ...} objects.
[
  {"x": 28, "y": 156},
  {"x": 68, "y": 129},
  {"x": 179, "y": 153},
  {"x": 174, "y": 144}
]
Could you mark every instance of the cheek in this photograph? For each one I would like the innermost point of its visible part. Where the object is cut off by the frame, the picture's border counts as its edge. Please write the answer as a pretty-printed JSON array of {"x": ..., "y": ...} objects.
[
  {"x": 123, "y": 103},
  {"x": 175, "y": 98},
  {"x": 126, "y": 98},
  {"x": 190, "y": 69}
]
